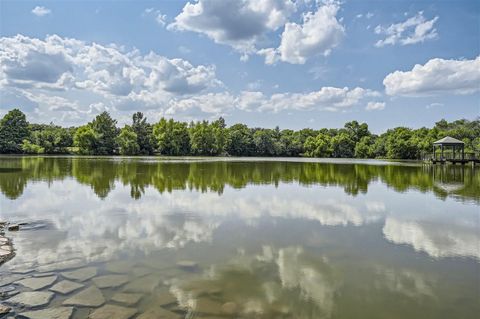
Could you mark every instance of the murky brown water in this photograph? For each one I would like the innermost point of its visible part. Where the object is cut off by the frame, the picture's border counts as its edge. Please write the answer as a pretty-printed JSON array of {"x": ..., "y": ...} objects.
[{"x": 242, "y": 238}]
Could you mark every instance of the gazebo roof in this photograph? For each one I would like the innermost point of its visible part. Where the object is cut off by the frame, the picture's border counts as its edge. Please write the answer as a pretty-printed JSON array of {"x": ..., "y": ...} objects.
[{"x": 448, "y": 140}]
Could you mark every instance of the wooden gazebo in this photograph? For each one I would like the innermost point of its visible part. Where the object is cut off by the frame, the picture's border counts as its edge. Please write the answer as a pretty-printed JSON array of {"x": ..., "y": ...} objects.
[{"x": 457, "y": 148}]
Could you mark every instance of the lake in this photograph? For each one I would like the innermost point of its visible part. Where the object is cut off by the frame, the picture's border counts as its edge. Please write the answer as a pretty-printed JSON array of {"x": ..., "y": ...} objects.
[{"x": 242, "y": 238}]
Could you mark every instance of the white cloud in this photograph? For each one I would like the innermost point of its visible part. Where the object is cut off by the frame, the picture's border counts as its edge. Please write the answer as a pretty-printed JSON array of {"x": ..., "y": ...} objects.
[
  {"x": 375, "y": 106},
  {"x": 414, "y": 30},
  {"x": 319, "y": 33},
  {"x": 435, "y": 77},
  {"x": 160, "y": 18},
  {"x": 123, "y": 79},
  {"x": 40, "y": 11},
  {"x": 238, "y": 23},
  {"x": 327, "y": 98}
]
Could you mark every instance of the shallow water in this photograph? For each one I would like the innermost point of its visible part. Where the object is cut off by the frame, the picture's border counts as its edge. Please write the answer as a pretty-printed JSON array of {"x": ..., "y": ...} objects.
[{"x": 249, "y": 238}]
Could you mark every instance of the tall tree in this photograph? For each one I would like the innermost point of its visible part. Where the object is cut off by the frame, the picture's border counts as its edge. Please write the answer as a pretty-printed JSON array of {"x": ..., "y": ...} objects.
[
  {"x": 106, "y": 131},
  {"x": 127, "y": 141},
  {"x": 13, "y": 130},
  {"x": 144, "y": 131},
  {"x": 172, "y": 138}
]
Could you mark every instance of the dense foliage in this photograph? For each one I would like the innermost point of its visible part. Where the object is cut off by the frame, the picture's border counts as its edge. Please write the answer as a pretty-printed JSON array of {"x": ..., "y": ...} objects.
[{"x": 170, "y": 137}]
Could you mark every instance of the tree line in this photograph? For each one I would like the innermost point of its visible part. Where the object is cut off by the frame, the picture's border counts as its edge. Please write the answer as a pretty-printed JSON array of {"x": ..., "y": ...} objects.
[{"x": 168, "y": 137}]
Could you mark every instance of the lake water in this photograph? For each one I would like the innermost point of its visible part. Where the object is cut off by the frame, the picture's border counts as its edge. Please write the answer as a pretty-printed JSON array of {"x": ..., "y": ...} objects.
[{"x": 245, "y": 238}]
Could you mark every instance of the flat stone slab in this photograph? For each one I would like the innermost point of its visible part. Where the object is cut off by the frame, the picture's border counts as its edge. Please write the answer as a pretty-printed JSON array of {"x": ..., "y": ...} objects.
[
  {"x": 31, "y": 299},
  {"x": 81, "y": 274},
  {"x": 158, "y": 312},
  {"x": 51, "y": 313},
  {"x": 66, "y": 286},
  {"x": 113, "y": 312},
  {"x": 144, "y": 284},
  {"x": 141, "y": 271},
  {"x": 7, "y": 280},
  {"x": 37, "y": 283},
  {"x": 165, "y": 299},
  {"x": 120, "y": 267},
  {"x": 62, "y": 265},
  {"x": 208, "y": 306},
  {"x": 109, "y": 281},
  {"x": 90, "y": 297},
  {"x": 129, "y": 299}
]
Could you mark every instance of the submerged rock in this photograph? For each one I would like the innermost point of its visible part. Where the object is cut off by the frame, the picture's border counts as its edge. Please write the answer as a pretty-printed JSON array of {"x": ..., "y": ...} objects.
[
  {"x": 158, "y": 312},
  {"x": 90, "y": 297},
  {"x": 8, "y": 280},
  {"x": 51, "y": 313},
  {"x": 13, "y": 227},
  {"x": 81, "y": 274},
  {"x": 230, "y": 308},
  {"x": 4, "y": 310},
  {"x": 66, "y": 286},
  {"x": 144, "y": 284},
  {"x": 37, "y": 283},
  {"x": 31, "y": 299},
  {"x": 165, "y": 299},
  {"x": 129, "y": 299},
  {"x": 120, "y": 267},
  {"x": 187, "y": 265},
  {"x": 113, "y": 312},
  {"x": 208, "y": 306},
  {"x": 109, "y": 281}
]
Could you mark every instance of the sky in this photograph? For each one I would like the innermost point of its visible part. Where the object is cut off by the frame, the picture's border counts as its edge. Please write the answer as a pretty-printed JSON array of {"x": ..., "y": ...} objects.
[{"x": 265, "y": 63}]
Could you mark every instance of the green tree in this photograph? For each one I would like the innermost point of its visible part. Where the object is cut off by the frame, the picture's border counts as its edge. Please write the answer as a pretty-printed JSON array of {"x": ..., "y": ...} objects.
[
  {"x": 203, "y": 139},
  {"x": 144, "y": 131},
  {"x": 127, "y": 141},
  {"x": 239, "y": 140},
  {"x": 106, "y": 131},
  {"x": 364, "y": 148},
  {"x": 343, "y": 145},
  {"x": 318, "y": 146},
  {"x": 13, "y": 130},
  {"x": 172, "y": 138},
  {"x": 85, "y": 139}
]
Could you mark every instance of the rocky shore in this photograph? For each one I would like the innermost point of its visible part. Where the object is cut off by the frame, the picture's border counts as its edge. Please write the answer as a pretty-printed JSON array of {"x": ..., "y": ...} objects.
[{"x": 6, "y": 246}]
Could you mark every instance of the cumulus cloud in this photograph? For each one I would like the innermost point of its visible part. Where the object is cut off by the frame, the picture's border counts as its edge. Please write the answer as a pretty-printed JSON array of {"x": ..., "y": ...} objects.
[
  {"x": 435, "y": 77},
  {"x": 375, "y": 106},
  {"x": 41, "y": 11},
  {"x": 318, "y": 35},
  {"x": 327, "y": 98},
  {"x": 36, "y": 68},
  {"x": 414, "y": 30},
  {"x": 238, "y": 23}
]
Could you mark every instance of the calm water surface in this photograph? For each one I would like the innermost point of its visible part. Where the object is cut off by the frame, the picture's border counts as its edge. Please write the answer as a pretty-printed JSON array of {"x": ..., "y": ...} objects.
[{"x": 250, "y": 238}]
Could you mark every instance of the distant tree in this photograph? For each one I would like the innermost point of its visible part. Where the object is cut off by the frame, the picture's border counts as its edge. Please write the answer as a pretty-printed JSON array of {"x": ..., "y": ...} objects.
[
  {"x": 85, "y": 139},
  {"x": 400, "y": 144},
  {"x": 266, "y": 143},
  {"x": 318, "y": 146},
  {"x": 364, "y": 148},
  {"x": 356, "y": 131},
  {"x": 172, "y": 138},
  {"x": 239, "y": 141},
  {"x": 51, "y": 139},
  {"x": 343, "y": 145},
  {"x": 30, "y": 148},
  {"x": 13, "y": 130},
  {"x": 106, "y": 131},
  {"x": 144, "y": 131},
  {"x": 203, "y": 139},
  {"x": 127, "y": 141}
]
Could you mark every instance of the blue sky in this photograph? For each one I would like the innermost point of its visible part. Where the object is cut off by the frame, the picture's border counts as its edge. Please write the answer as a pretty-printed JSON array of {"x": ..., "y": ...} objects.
[{"x": 295, "y": 64}]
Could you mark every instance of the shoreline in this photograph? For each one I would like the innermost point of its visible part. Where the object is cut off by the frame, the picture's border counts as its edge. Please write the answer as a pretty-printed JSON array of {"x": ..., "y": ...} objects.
[{"x": 7, "y": 252}]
